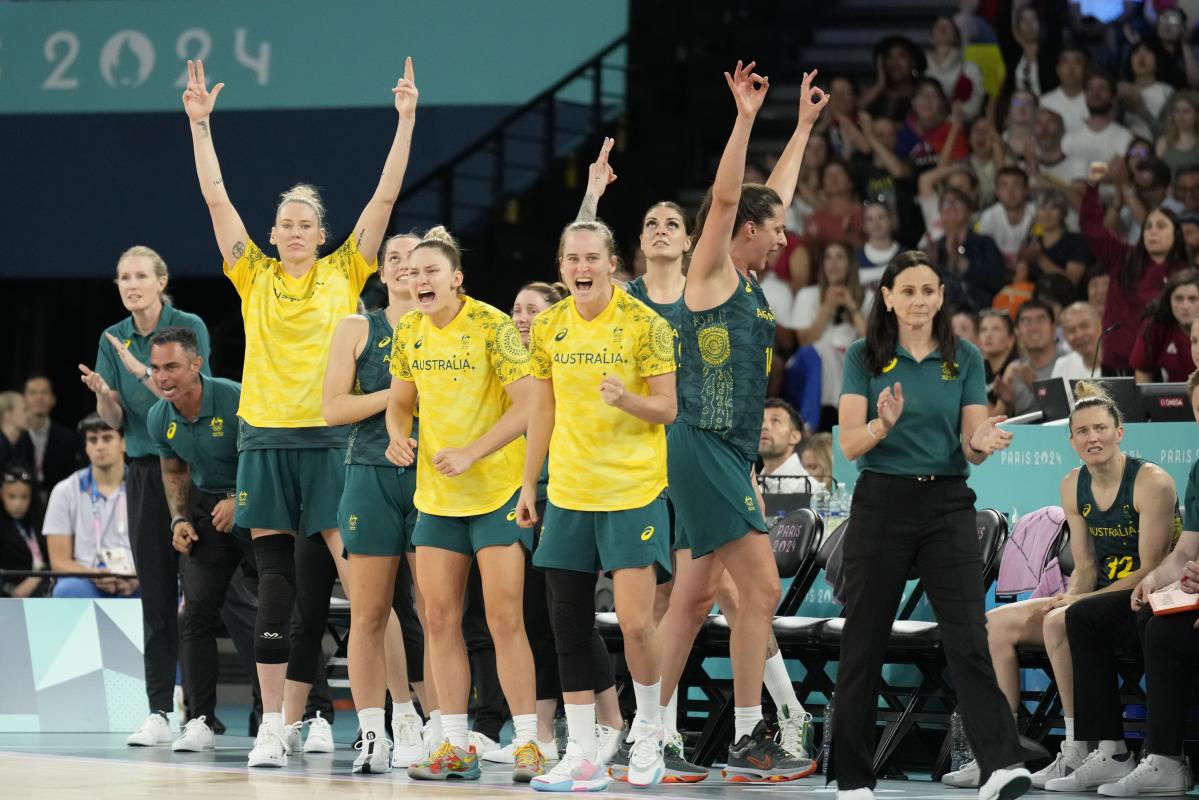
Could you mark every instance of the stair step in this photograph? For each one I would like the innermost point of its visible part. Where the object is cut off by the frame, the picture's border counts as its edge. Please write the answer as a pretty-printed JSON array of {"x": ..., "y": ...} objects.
[{"x": 867, "y": 35}]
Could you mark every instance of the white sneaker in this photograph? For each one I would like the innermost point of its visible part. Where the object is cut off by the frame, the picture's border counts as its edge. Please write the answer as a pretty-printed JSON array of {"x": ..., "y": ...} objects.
[
  {"x": 407, "y": 747},
  {"x": 794, "y": 731},
  {"x": 964, "y": 778},
  {"x": 855, "y": 794},
  {"x": 607, "y": 742},
  {"x": 507, "y": 755},
  {"x": 1068, "y": 759},
  {"x": 320, "y": 735},
  {"x": 1006, "y": 784},
  {"x": 154, "y": 731},
  {"x": 484, "y": 745},
  {"x": 1155, "y": 776},
  {"x": 375, "y": 758},
  {"x": 430, "y": 738},
  {"x": 196, "y": 738},
  {"x": 1096, "y": 769},
  {"x": 572, "y": 773},
  {"x": 647, "y": 761},
  {"x": 270, "y": 747},
  {"x": 293, "y": 740}
]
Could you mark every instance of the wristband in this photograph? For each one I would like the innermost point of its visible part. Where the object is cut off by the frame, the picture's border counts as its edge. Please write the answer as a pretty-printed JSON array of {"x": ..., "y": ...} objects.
[
  {"x": 175, "y": 521},
  {"x": 870, "y": 431}
]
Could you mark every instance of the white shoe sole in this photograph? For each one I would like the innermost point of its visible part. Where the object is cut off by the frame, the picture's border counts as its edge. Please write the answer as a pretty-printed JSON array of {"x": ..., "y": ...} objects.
[
  {"x": 1015, "y": 787},
  {"x": 192, "y": 748},
  {"x": 319, "y": 747},
  {"x": 267, "y": 762}
]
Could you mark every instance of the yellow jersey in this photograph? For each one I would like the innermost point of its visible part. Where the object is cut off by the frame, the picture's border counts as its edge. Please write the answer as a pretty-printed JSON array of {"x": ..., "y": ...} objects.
[
  {"x": 289, "y": 325},
  {"x": 602, "y": 458},
  {"x": 460, "y": 372}
]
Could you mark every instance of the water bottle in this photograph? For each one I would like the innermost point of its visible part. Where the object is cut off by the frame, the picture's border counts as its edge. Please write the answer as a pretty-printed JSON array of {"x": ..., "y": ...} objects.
[
  {"x": 820, "y": 506},
  {"x": 836, "y": 512},
  {"x": 959, "y": 744},
  {"x": 826, "y": 743}
]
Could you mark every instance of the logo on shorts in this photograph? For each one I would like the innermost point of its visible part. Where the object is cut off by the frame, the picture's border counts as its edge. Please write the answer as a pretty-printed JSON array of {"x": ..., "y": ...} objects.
[
  {"x": 648, "y": 533},
  {"x": 561, "y": 335},
  {"x": 218, "y": 427},
  {"x": 512, "y": 515},
  {"x": 749, "y": 503},
  {"x": 243, "y": 498},
  {"x": 171, "y": 430},
  {"x": 353, "y": 522}
]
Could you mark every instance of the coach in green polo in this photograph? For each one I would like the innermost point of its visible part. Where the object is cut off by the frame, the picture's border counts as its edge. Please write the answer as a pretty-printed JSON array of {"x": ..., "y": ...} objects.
[{"x": 194, "y": 427}]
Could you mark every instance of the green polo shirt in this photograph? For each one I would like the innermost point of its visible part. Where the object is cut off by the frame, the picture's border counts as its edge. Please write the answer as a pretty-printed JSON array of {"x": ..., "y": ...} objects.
[
  {"x": 136, "y": 399},
  {"x": 208, "y": 445},
  {"x": 927, "y": 438},
  {"x": 1190, "y": 509}
]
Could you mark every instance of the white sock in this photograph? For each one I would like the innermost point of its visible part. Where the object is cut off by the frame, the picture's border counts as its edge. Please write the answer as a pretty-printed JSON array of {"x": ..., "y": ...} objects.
[
  {"x": 1111, "y": 747},
  {"x": 525, "y": 728},
  {"x": 745, "y": 720},
  {"x": 272, "y": 718},
  {"x": 580, "y": 727},
  {"x": 778, "y": 684},
  {"x": 670, "y": 714},
  {"x": 403, "y": 709},
  {"x": 649, "y": 713},
  {"x": 1069, "y": 728},
  {"x": 454, "y": 729},
  {"x": 372, "y": 720},
  {"x": 436, "y": 735}
]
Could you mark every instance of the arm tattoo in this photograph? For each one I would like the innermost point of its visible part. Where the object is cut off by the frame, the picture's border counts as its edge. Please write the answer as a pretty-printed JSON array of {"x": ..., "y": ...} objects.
[
  {"x": 238, "y": 249},
  {"x": 218, "y": 182},
  {"x": 587, "y": 209},
  {"x": 772, "y": 646},
  {"x": 361, "y": 234},
  {"x": 177, "y": 484},
  {"x": 204, "y": 128}
]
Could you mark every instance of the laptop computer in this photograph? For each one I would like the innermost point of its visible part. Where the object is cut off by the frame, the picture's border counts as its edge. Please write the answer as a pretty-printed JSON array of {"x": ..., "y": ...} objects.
[
  {"x": 1053, "y": 398},
  {"x": 1166, "y": 402}
]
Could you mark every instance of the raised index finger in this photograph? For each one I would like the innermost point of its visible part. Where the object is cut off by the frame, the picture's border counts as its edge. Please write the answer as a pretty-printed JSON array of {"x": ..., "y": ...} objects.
[{"x": 409, "y": 74}]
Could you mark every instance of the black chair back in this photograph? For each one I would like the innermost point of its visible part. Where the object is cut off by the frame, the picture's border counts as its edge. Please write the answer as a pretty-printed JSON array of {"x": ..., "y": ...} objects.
[
  {"x": 1065, "y": 556},
  {"x": 992, "y": 533},
  {"x": 794, "y": 539}
]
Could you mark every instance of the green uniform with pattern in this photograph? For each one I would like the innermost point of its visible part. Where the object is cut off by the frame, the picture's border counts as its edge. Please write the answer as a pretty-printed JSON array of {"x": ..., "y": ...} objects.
[
  {"x": 1115, "y": 531},
  {"x": 375, "y": 515},
  {"x": 724, "y": 361}
]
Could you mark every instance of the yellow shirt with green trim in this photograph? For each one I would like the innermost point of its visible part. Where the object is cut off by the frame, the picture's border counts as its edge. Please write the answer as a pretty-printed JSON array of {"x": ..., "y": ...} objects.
[
  {"x": 602, "y": 458},
  {"x": 289, "y": 326},
  {"x": 460, "y": 372}
]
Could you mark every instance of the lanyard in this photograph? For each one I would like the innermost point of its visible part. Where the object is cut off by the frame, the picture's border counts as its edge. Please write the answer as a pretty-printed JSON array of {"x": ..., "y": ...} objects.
[
  {"x": 95, "y": 497},
  {"x": 30, "y": 538}
]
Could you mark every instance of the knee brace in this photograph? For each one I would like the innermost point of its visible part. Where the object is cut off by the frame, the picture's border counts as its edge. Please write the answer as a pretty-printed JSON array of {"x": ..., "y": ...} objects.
[
  {"x": 602, "y": 677},
  {"x": 276, "y": 597}
]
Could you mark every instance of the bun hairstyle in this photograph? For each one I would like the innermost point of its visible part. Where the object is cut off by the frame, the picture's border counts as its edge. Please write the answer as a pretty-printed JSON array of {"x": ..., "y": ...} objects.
[
  {"x": 156, "y": 262},
  {"x": 307, "y": 194},
  {"x": 1090, "y": 394},
  {"x": 550, "y": 292},
  {"x": 439, "y": 239}
]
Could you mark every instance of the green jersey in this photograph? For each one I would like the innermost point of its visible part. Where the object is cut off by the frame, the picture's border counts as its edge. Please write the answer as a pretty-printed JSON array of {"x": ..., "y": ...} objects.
[
  {"x": 671, "y": 312},
  {"x": 369, "y": 438},
  {"x": 724, "y": 361},
  {"x": 207, "y": 444}
]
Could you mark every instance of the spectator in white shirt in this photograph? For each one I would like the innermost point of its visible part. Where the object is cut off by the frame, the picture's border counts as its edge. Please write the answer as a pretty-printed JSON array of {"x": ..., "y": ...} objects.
[
  {"x": 1101, "y": 138},
  {"x": 782, "y": 431},
  {"x": 1010, "y": 219},
  {"x": 87, "y": 522},
  {"x": 1036, "y": 335},
  {"x": 1069, "y": 98},
  {"x": 961, "y": 79},
  {"x": 1144, "y": 96},
  {"x": 816, "y": 456},
  {"x": 1082, "y": 325}
]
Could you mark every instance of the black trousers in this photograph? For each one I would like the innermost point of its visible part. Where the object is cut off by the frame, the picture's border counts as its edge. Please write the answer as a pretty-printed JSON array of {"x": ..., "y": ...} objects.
[
  {"x": 315, "y": 575},
  {"x": 207, "y": 574},
  {"x": 1103, "y": 627},
  {"x": 157, "y": 564},
  {"x": 897, "y": 523}
]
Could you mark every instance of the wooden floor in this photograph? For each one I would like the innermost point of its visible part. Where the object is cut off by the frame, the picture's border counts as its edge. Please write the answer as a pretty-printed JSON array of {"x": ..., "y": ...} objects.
[{"x": 101, "y": 767}]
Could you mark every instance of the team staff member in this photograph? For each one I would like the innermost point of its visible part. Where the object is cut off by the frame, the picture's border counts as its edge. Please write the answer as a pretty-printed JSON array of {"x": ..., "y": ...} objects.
[
  {"x": 916, "y": 458},
  {"x": 290, "y": 459},
  {"x": 376, "y": 517},
  {"x": 125, "y": 393},
  {"x": 193, "y": 428},
  {"x": 466, "y": 361},
  {"x": 604, "y": 365}
]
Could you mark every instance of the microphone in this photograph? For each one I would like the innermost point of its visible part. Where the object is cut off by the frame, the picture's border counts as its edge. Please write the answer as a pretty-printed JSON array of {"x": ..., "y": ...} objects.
[{"x": 1106, "y": 331}]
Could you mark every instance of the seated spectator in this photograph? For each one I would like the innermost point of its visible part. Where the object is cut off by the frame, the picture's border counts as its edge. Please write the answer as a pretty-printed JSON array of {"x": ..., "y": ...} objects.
[
  {"x": 997, "y": 342},
  {"x": 961, "y": 80},
  {"x": 1189, "y": 223},
  {"x": 837, "y": 215},
  {"x": 930, "y": 186},
  {"x": 1009, "y": 221},
  {"x": 1184, "y": 194},
  {"x": 880, "y": 247},
  {"x": 1178, "y": 145},
  {"x": 1081, "y": 326},
  {"x": 790, "y": 272},
  {"x": 829, "y": 316},
  {"x": 898, "y": 62},
  {"x": 1019, "y": 123},
  {"x": 1142, "y": 96},
  {"x": 1069, "y": 99},
  {"x": 816, "y": 455},
  {"x": 1175, "y": 57},
  {"x": 52, "y": 448},
  {"x": 1029, "y": 51},
  {"x": 987, "y": 155},
  {"x": 965, "y": 325},
  {"x": 12, "y": 425},
  {"x": 881, "y": 175},
  {"x": 782, "y": 431},
  {"x": 842, "y": 107},
  {"x": 1036, "y": 337},
  {"x": 21, "y": 546},
  {"x": 1053, "y": 250},
  {"x": 1101, "y": 138},
  {"x": 970, "y": 263},
  {"x": 87, "y": 524},
  {"x": 1163, "y": 350},
  {"x": 1047, "y": 164},
  {"x": 929, "y": 136}
]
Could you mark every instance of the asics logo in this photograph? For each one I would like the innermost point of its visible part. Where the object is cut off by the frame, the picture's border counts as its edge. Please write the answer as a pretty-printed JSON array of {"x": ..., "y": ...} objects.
[
  {"x": 512, "y": 515},
  {"x": 648, "y": 533},
  {"x": 272, "y": 635},
  {"x": 561, "y": 335},
  {"x": 765, "y": 762},
  {"x": 416, "y": 345}
]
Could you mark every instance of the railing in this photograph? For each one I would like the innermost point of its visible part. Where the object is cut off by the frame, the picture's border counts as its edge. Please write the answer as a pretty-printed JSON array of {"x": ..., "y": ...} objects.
[{"x": 519, "y": 149}]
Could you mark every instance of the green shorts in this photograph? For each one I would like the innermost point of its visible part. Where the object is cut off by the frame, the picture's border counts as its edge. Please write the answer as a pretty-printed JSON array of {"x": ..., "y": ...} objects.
[
  {"x": 376, "y": 515},
  {"x": 590, "y": 541},
  {"x": 712, "y": 491},
  {"x": 286, "y": 489},
  {"x": 469, "y": 535}
]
